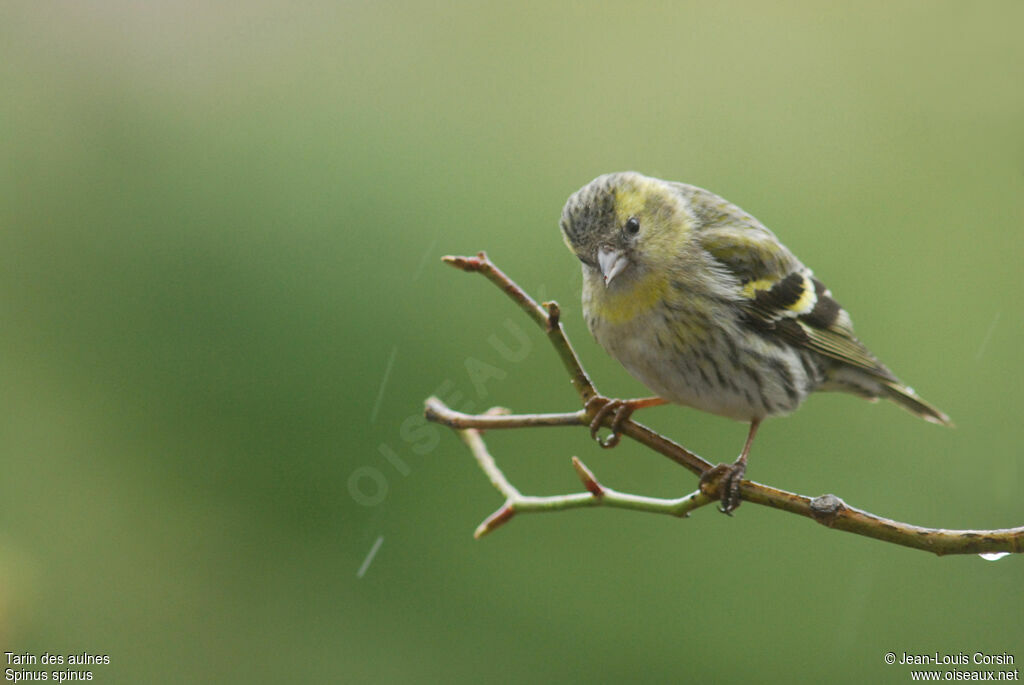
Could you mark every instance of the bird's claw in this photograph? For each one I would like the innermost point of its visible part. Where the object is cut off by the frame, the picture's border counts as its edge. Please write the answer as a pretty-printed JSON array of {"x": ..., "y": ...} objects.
[
  {"x": 605, "y": 406},
  {"x": 726, "y": 479}
]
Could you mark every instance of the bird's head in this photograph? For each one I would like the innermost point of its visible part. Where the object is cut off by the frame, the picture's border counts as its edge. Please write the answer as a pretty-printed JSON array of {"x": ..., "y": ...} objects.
[{"x": 623, "y": 225}]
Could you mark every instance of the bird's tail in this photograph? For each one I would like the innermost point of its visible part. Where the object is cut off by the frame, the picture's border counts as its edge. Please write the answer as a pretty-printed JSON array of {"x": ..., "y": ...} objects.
[{"x": 908, "y": 399}]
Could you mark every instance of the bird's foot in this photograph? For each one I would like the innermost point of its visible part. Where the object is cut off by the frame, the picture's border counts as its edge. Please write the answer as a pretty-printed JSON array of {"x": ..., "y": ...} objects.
[
  {"x": 605, "y": 406},
  {"x": 620, "y": 410},
  {"x": 725, "y": 479}
]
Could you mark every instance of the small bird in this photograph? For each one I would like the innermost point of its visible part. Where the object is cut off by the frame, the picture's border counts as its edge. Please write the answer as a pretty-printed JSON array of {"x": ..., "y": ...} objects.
[{"x": 703, "y": 305}]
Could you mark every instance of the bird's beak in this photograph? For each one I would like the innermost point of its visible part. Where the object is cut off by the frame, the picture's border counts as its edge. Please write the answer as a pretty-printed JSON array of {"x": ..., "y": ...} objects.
[{"x": 612, "y": 262}]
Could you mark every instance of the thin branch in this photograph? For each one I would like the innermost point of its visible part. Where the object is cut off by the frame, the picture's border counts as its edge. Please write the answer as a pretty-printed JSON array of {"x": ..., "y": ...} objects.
[
  {"x": 597, "y": 495},
  {"x": 547, "y": 317},
  {"x": 438, "y": 412},
  {"x": 435, "y": 410},
  {"x": 827, "y": 510}
]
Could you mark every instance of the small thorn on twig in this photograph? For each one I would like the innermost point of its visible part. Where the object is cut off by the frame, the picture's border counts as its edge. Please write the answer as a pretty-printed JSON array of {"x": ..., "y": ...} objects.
[
  {"x": 588, "y": 478},
  {"x": 464, "y": 263},
  {"x": 554, "y": 315},
  {"x": 498, "y": 411},
  {"x": 494, "y": 411},
  {"x": 495, "y": 520}
]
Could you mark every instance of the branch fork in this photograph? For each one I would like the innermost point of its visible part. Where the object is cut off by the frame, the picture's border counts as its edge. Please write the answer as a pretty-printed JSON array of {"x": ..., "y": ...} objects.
[
  {"x": 596, "y": 494},
  {"x": 828, "y": 510}
]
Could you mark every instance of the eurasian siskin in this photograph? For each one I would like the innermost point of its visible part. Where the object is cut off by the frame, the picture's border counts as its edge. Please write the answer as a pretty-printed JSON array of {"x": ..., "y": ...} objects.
[{"x": 703, "y": 305}]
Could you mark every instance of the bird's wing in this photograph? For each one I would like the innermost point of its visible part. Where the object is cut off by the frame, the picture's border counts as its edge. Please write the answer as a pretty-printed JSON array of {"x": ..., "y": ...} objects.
[
  {"x": 737, "y": 240},
  {"x": 780, "y": 295},
  {"x": 782, "y": 298}
]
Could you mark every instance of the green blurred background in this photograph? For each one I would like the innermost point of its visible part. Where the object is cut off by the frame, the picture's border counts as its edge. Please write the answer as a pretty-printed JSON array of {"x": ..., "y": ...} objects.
[{"x": 221, "y": 308}]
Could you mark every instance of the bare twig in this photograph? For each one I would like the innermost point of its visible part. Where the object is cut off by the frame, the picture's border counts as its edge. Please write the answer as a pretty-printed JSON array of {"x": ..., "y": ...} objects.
[
  {"x": 597, "y": 495},
  {"x": 435, "y": 410},
  {"x": 547, "y": 317},
  {"x": 827, "y": 510}
]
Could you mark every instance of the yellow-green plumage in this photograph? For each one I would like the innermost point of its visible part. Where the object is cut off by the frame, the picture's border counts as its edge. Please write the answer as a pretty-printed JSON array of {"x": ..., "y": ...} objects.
[{"x": 703, "y": 304}]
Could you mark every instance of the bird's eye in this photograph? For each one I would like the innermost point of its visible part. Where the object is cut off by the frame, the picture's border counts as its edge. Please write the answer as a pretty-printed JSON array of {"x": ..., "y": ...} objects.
[{"x": 633, "y": 225}]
